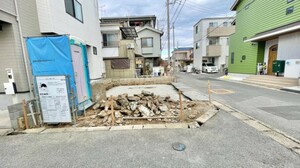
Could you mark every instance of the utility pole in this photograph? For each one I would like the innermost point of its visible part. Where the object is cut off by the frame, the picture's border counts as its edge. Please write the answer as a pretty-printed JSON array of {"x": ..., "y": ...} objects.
[
  {"x": 168, "y": 23},
  {"x": 173, "y": 36}
]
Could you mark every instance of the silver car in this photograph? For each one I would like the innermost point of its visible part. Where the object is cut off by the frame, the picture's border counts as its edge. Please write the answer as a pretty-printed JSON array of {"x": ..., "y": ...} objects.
[{"x": 209, "y": 67}]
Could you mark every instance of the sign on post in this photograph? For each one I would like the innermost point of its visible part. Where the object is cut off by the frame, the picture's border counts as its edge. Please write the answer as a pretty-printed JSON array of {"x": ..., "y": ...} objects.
[{"x": 53, "y": 94}]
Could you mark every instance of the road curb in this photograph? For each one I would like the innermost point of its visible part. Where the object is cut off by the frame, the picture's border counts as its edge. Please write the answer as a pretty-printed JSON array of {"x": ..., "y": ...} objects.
[{"x": 282, "y": 138}]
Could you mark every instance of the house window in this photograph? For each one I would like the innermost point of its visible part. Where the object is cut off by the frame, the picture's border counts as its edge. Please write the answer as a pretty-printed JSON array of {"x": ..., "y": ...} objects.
[
  {"x": 214, "y": 41},
  {"x": 110, "y": 40},
  {"x": 232, "y": 58},
  {"x": 244, "y": 57},
  {"x": 197, "y": 45},
  {"x": 289, "y": 10},
  {"x": 147, "y": 42},
  {"x": 196, "y": 29},
  {"x": 213, "y": 24},
  {"x": 74, "y": 8},
  {"x": 225, "y": 24},
  {"x": 95, "y": 50}
]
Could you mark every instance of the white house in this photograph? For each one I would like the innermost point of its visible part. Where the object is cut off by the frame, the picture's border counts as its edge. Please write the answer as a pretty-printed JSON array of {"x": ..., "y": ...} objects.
[
  {"x": 136, "y": 34},
  {"x": 18, "y": 19},
  {"x": 211, "y": 41}
]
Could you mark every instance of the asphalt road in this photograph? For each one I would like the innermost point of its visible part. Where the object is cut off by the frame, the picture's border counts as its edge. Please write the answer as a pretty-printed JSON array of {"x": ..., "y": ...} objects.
[
  {"x": 279, "y": 109},
  {"x": 224, "y": 141}
]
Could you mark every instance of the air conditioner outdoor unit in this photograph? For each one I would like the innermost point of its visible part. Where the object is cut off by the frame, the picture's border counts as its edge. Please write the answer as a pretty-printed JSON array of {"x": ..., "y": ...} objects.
[{"x": 130, "y": 46}]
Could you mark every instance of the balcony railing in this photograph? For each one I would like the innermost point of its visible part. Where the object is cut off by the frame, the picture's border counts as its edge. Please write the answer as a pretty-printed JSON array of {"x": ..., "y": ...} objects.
[
  {"x": 213, "y": 50},
  {"x": 110, "y": 44},
  {"x": 220, "y": 31}
]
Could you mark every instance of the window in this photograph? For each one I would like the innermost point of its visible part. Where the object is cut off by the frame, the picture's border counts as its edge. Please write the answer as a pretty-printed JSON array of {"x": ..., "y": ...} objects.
[
  {"x": 225, "y": 24},
  {"x": 110, "y": 40},
  {"x": 196, "y": 29},
  {"x": 289, "y": 10},
  {"x": 213, "y": 41},
  {"x": 288, "y": 1},
  {"x": 232, "y": 58},
  {"x": 147, "y": 42},
  {"x": 197, "y": 45},
  {"x": 95, "y": 50},
  {"x": 74, "y": 8},
  {"x": 227, "y": 41},
  {"x": 244, "y": 57},
  {"x": 213, "y": 24}
]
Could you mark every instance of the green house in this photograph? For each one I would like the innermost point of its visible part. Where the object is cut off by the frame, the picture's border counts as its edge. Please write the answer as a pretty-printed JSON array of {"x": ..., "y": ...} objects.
[{"x": 266, "y": 30}]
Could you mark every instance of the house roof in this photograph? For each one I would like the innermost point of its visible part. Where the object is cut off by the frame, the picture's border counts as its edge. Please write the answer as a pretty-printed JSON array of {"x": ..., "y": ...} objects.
[
  {"x": 273, "y": 33},
  {"x": 128, "y": 18},
  {"x": 235, "y": 4},
  {"x": 150, "y": 28},
  {"x": 214, "y": 18}
]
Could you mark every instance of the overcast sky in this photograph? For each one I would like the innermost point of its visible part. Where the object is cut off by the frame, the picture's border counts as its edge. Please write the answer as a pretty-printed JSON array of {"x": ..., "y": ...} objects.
[{"x": 191, "y": 13}]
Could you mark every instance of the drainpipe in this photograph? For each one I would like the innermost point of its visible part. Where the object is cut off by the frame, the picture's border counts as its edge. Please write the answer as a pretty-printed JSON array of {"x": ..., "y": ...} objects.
[{"x": 23, "y": 47}]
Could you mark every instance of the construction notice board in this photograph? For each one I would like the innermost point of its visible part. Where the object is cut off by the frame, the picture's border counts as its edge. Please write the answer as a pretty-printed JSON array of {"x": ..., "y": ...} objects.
[{"x": 53, "y": 94}]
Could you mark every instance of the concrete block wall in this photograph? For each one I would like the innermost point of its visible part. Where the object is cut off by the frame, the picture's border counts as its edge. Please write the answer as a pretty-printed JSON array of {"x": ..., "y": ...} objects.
[
  {"x": 99, "y": 88},
  {"x": 16, "y": 111}
]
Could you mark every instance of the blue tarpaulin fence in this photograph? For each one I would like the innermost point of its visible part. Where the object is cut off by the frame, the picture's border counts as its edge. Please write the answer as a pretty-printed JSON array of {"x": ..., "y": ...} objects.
[{"x": 51, "y": 56}]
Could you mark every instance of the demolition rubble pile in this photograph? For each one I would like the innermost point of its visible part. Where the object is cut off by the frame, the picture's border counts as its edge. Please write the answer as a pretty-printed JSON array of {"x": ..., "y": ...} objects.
[{"x": 140, "y": 106}]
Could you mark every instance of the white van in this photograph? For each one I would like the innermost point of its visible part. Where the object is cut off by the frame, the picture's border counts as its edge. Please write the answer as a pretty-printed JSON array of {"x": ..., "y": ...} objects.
[{"x": 209, "y": 67}]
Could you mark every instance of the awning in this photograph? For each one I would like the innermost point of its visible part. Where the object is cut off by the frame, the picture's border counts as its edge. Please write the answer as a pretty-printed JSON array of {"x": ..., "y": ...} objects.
[
  {"x": 128, "y": 32},
  {"x": 274, "y": 33}
]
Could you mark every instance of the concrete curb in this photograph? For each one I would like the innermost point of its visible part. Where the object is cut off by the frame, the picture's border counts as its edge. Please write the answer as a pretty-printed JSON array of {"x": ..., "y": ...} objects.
[
  {"x": 282, "y": 138},
  {"x": 5, "y": 132}
]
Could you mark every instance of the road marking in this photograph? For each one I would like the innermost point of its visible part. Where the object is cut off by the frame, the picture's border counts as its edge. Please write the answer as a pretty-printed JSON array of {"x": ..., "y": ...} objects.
[{"x": 221, "y": 91}]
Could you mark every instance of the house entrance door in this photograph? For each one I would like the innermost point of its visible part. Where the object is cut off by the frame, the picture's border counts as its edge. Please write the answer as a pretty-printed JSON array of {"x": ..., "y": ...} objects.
[
  {"x": 78, "y": 66},
  {"x": 272, "y": 57}
]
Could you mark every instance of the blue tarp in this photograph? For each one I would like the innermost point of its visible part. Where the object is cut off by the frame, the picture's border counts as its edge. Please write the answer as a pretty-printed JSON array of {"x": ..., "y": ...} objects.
[{"x": 51, "y": 56}]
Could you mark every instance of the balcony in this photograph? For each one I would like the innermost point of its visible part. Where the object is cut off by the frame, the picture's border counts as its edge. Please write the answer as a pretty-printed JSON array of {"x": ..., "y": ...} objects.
[
  {"x": 110, "y": 44},
  {"x": 220, "y": 31},
  {"x": 213, "y": 50}
]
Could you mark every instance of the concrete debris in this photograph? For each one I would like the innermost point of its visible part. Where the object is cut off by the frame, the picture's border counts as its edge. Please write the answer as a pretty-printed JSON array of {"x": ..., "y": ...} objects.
[
  {"x": 145, "y": 104},
  {"x": 144, "y": 111}
]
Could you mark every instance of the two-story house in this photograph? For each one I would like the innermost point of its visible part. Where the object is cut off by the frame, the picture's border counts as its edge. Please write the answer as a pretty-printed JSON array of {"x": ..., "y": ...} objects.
[
  {"x": 182, "y": 57},
  {"x": 211, "y": 41},
  {"x": 265, "y": 31},
  {"x": 133, "y": 41},
  {"x": 20, "y": 19}
]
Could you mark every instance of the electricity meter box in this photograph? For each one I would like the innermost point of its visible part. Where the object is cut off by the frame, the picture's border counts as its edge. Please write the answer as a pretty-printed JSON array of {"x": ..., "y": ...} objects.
[{"x": 10, "y": 88}]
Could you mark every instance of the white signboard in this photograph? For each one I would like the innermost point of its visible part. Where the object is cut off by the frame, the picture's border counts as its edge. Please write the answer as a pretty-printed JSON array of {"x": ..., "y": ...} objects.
[{"x": 54, "y": 99}]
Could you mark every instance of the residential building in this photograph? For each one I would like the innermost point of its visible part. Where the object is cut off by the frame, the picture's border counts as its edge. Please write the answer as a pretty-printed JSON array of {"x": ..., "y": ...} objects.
[
  {"x": 265, "y": 31},
  {"x": 211, "y": 37},
  {"x": 182, "y": 57},
  {"x": 133, "y": 38},
  {"x": 19, "y": 19}
]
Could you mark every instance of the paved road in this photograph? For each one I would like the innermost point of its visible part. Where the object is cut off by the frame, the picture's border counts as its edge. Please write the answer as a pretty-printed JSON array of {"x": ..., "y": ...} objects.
[
  {"x": 222, "y": 142},
  {"x": 277, "y": 108}
]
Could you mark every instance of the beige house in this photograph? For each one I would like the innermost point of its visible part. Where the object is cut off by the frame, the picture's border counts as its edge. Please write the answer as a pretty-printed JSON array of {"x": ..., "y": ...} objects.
[
  {"x": 131, "y": 38},
  {"x": 211, "y": 41},
  {"x": 182, "y": 57}
]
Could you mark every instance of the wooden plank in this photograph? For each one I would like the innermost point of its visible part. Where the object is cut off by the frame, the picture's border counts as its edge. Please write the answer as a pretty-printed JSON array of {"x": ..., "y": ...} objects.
[{"x": 25, "y": 114}]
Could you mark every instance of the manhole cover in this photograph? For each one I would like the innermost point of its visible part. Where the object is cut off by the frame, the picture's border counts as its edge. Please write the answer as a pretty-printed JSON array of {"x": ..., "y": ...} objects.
[
  {"x": 221, "y": 91},
  {"x": 178, "y": 146}
]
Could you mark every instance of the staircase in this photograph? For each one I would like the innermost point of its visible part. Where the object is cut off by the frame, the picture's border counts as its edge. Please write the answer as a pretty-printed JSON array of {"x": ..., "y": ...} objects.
[{"x": 271, "y": 81}]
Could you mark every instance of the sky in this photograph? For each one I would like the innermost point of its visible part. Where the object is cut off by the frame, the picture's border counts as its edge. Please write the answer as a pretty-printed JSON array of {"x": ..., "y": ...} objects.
[{"x": 191, "y": 11}]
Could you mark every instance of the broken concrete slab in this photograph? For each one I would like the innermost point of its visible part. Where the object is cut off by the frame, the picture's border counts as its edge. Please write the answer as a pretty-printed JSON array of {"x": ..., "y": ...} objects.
[
  {"x": 206, "y": 116},
  {"x": 193, "y": 125}
]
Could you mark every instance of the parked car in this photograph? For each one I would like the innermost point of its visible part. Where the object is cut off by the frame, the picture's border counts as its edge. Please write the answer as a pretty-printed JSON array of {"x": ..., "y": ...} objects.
[{"x": 209, "y": 67}]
